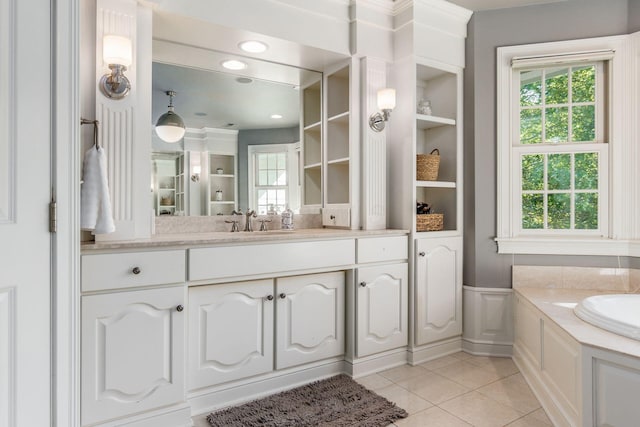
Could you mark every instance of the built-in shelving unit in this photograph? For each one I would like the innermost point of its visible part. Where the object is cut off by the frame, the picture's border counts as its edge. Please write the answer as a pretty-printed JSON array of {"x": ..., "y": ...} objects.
[
  {"x": 338, "y": 159},
  {"x": 312, "y": 146},
  {"x": 222, "y": 186},
  {"x": 168, "y": 183}
]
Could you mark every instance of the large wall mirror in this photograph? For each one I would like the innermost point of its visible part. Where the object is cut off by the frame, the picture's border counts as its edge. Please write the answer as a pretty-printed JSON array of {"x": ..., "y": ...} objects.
[{"x": 241, "y": 149}]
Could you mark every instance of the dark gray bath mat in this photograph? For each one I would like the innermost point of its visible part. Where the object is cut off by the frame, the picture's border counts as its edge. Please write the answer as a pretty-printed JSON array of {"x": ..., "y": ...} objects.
[{"x": 337, "y": 401}]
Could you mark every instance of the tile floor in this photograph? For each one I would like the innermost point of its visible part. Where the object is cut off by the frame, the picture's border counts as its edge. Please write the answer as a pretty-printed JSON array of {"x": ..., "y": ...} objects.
[{"x": 456, "y": 390}]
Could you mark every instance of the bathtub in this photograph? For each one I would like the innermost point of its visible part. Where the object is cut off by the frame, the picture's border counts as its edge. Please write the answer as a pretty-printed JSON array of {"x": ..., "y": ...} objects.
[{"x": 619, "y": 313}]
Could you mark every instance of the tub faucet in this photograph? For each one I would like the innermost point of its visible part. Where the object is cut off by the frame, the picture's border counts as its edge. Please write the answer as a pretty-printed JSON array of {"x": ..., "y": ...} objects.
[{"x": 247, "y": 224}]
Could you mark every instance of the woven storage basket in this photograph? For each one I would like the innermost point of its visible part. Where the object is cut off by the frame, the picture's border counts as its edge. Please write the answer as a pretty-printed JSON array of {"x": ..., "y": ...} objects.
[
  {"x": 429, "y": 222},
  {"x": 427, "y": 166}
]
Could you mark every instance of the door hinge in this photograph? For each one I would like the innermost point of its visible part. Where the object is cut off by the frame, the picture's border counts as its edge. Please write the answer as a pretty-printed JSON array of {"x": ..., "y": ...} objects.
[{"x": 53, "y": 216}]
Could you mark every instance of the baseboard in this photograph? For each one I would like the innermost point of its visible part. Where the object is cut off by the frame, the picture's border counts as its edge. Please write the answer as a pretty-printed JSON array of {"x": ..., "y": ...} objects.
[
  {"x": 428, "y": 352},
  {"x": 208, "y": 400},
  {"x": 376, "y": 363},
  {"x": 486, "y": 348},
  {"x": 176, "y": 415}
]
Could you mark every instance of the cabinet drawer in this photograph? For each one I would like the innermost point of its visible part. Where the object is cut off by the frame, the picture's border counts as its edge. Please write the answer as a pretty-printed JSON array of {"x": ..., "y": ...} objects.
[
  {"x": 376, "y": 249},
  {"x": 240, "y": 261},
  {"x": 336, "y": 217},
  {"x": 115, "y": 271}
]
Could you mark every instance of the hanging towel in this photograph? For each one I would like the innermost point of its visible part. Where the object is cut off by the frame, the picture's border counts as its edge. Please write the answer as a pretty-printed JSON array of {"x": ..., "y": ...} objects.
[{"x": 94, "y": 197}]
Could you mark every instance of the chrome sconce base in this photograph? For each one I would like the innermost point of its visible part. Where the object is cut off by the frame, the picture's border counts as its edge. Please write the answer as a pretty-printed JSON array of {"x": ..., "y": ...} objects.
[
  {"x": 378, "y": 120},
  {"x": 115, "y": 85}
]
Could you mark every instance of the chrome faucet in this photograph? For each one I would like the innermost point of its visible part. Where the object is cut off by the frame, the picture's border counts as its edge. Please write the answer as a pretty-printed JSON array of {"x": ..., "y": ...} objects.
[{"x": 247, "y": 224}]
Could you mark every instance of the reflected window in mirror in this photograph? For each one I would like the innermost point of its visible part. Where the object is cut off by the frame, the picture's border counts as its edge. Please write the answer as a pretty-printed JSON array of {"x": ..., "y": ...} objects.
[{"x": 273, "y": 178}]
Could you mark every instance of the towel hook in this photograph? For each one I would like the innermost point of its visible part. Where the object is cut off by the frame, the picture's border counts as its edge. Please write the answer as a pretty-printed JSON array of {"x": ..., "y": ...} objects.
[{"x": 95, "y": 124}]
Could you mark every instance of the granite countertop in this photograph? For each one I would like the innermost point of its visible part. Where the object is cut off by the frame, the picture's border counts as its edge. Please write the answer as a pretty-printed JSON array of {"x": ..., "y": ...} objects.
[
  {"x": 187, "y": 240},
  {"x": 558, "y": 304}
]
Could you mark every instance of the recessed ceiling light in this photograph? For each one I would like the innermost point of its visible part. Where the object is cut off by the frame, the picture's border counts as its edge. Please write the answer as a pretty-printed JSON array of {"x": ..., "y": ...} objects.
[
  {"x": 276, "y": 116},
  {"x": 253, "y": 46},
  {"x": 200, "y": 114},
  {"x": 234, "y": 64},
  {"x": 244, "y": 80}
]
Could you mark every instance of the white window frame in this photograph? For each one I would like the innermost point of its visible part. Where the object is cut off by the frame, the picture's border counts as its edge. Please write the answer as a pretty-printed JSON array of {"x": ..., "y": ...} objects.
[
  {"x": 293, "y": 186},
  {"x": 616, "y": 235}
]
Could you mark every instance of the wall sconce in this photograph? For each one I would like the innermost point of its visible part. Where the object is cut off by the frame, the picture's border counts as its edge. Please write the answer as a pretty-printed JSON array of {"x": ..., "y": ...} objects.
[
  {"x": 386, "y": 103},
  {"x": 170, "y": 127},
  {"x": 196, "y": 174},
  {"x": 117, "y": 53}
]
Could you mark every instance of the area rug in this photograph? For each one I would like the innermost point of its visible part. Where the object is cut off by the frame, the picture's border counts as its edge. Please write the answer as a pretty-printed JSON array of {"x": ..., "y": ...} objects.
[{"x": 335, "y": 402}]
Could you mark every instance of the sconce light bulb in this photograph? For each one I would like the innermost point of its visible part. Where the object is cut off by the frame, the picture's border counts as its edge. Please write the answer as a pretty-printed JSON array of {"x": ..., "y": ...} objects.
[{"x": 387, "y": 99}]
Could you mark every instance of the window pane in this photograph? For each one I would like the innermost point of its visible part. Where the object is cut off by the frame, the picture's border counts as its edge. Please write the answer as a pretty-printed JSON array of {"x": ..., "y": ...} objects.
[
  {"x": 262, "y": 161},
  {"x": 272, "y": 161},
  {"x": 584, "y": 123},
  {"x": 559, "y": 211},
  {"x": 262, "y": 178},
  {"x": 531, "y": 126},
  {"x": 533, "y": 172},
  {"x": 530, "y": 87},
  {"x": 273, "y": 179},
  {"x": 557, "y": 86},
  {"x": 282, "y": 161},
  {"x": 557, "y": 124},
  {"x": 586, "y": 169},
  {"x": 262, "y": 197},
  {"x": 532, "y": 211},
  {"x": 587, "y": 211},
  {"x": 583, "y": 84},
  {"x": 282, "y": 178},
  {"x": 559, "y": 172}
]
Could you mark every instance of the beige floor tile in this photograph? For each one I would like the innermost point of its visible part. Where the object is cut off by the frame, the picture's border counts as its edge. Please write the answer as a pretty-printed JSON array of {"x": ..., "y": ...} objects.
[
  {"x": 529, "y": 421},
  {"x": 512, "y": 391},
  {"x": 481, "y": 411},
  {"x": 503, "y": 366},
  {"x": 462, "y": 355},
  {"x": 439, "y": 362},
  {"x": 402, "y": 372},
  {"x": 200, "y": 421},
  {"x": 374, "y": 382},
  {"x": 542, "y": 416},
  {"x": 431, "y": 417},
  {"x": 467, "y": 374},
  {"x": 433, "y": 387},
  {"x": 408, "y": 401}
]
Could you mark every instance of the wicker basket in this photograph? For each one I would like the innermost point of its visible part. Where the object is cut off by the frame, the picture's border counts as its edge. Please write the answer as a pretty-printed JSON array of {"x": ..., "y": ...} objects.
[
  {"x": 429, "y": 222},
  {"x": 427, "y": 166}
]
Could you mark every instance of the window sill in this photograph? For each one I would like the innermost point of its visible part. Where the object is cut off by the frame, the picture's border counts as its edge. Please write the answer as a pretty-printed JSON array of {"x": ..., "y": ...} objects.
[{"x": 568, "y": 246}]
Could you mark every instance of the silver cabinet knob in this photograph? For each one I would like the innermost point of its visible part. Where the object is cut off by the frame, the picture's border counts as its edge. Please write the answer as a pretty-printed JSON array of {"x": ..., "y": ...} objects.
[
  {"x": 283, "y": 295},
  {"x": 270, "y": 297},
  {"x": 332, "y": 217},
  {"x": 180, "y": 308},
  {"x": 363, "y": 284},
  {"x": 421, "y": 254},
  {"x": 136, "y": 270}
]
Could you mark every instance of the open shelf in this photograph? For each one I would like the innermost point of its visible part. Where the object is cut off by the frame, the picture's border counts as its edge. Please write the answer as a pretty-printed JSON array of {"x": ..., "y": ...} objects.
[
  {"x": 436, "y": 184},
  {"x": 427, "y": 122}
]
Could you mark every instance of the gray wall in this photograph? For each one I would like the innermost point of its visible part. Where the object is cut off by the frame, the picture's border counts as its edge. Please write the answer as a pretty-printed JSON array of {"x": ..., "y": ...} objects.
[
  {"x": 258, "y": 137},
  {"x": 634, "y": 16},
  {"x": 572, "y": 19}
]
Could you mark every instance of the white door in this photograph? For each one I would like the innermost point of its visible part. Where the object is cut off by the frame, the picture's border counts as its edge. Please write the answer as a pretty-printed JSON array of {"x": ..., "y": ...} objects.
[
  {"x": 230, "y": 332},
  {"x": 382, "y": 303},
  {"x": 309, "y": 318},
  {"x": 25, "y": 183},
  {"x": 438, "y": 288},
  {"x": 132, "y": 352}
]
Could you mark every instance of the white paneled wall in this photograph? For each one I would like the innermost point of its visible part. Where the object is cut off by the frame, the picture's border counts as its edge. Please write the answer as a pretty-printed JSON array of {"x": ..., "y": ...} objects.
[{"x": 488, "y": 321}]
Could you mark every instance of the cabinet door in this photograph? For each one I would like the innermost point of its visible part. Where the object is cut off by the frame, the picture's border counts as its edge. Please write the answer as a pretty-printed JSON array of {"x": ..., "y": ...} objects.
[
  {"x": 381, "y": 304},
  {"x": 132, "y": 352},
  {"x": 310, "y": 318},
  {"x": 438, "y": 289},
  {"x": 230, "y": 332}
]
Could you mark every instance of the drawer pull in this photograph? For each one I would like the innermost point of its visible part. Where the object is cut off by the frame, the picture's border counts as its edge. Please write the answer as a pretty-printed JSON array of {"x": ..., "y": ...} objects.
[
  {"x": 179, "y": 308},
  {"x": 136, "y": 270},
  {"x": 422, "y": 254},
  {"x": 283, "y": 296},
  {"x": 332, "y": 217},
  {"x": 270, "y": 297},
  {"x": 363, "y": 284}
]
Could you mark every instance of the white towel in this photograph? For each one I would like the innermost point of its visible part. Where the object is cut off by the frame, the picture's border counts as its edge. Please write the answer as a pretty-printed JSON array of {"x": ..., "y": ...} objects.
[{"x": 94, "y": 197}]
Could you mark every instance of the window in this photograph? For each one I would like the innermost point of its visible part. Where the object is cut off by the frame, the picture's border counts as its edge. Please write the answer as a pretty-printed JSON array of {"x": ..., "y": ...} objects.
[
  {"x": 563, "y": 138},
  {"x": 560, "y": 149},
  {"x": 273, "y": 180}
]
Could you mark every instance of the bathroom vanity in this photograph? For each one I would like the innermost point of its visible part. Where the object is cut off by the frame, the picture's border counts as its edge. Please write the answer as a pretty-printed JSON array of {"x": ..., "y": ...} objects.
[{"x": 178, "y": 325}]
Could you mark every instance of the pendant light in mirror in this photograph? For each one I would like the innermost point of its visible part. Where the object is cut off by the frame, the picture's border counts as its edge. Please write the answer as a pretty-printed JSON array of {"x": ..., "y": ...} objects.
[{"x": 170, "y": 127}]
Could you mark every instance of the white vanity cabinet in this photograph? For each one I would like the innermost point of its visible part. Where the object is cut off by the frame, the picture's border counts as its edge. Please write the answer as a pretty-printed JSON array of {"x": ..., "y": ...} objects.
[
  {"x": 230, "y": 332},
  {"x": 132, "y": 352},
  {"x": 438, "y": 289},
  {"x": 381, "y": 308},
  {"x": 310, "y": 318}
]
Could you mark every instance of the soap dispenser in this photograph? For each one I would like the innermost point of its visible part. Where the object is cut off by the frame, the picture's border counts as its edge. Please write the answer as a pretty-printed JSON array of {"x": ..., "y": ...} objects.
[{"x": 286, "y": 219}]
